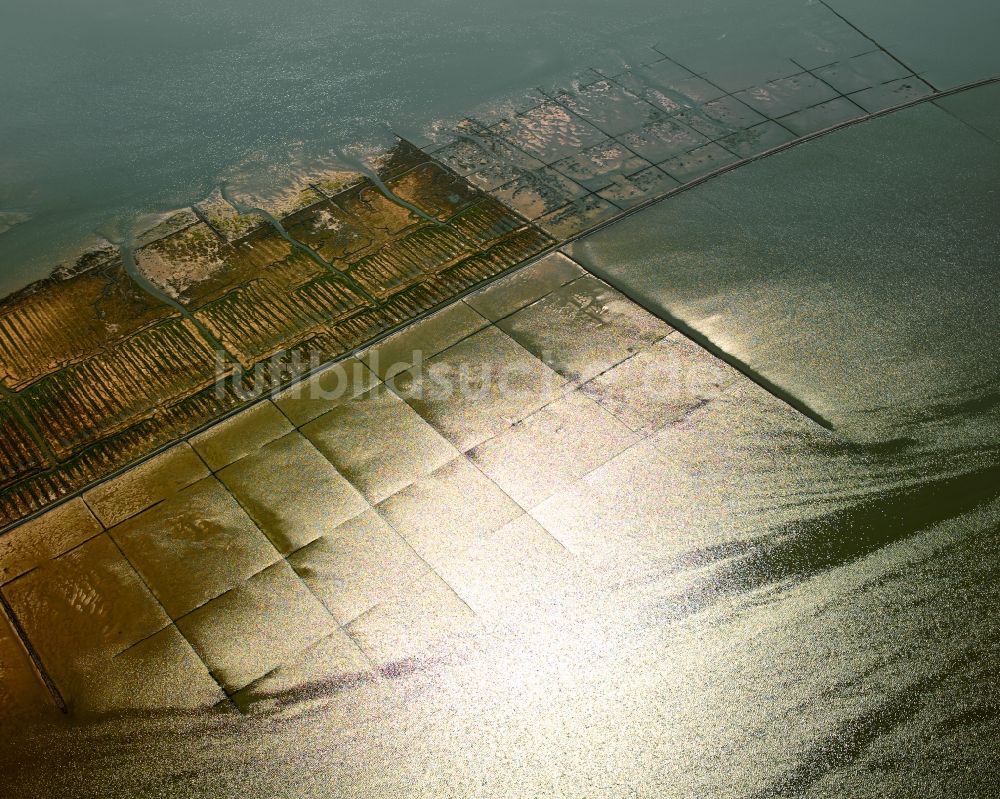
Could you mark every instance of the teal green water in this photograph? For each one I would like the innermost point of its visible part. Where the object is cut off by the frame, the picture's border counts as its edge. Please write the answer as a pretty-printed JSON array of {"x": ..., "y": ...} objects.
[{"x": 113, "y": 109}]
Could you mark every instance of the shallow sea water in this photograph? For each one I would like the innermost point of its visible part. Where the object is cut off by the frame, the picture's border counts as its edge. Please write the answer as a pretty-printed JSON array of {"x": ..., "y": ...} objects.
[
  {"x": 856, "y": 272},
  {"x": 115, "y": 110}
]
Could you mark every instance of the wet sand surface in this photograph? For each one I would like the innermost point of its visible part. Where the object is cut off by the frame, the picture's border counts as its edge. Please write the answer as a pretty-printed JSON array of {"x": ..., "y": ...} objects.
[
  {"x": 857, "y": 275},
  {"x": 605, "y": 583}
]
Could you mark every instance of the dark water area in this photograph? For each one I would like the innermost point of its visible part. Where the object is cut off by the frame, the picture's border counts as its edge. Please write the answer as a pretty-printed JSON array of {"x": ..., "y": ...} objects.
[{"x": 116, "y": 110}]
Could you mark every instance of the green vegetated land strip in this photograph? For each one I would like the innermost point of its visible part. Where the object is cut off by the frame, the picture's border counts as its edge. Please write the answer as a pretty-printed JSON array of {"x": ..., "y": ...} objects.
[{"x": 108, "y": 402}]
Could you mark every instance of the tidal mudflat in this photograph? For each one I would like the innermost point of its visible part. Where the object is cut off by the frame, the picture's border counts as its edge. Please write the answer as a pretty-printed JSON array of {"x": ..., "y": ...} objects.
[
  {"x": 131, "y": 348},
  {"x": 616, "y": 582},
  {"x": 640, "y": 440}
]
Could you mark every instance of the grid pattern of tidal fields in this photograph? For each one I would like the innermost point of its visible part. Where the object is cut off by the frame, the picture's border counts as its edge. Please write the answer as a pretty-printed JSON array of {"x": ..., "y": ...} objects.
[{"x": 130, "y": 349}]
